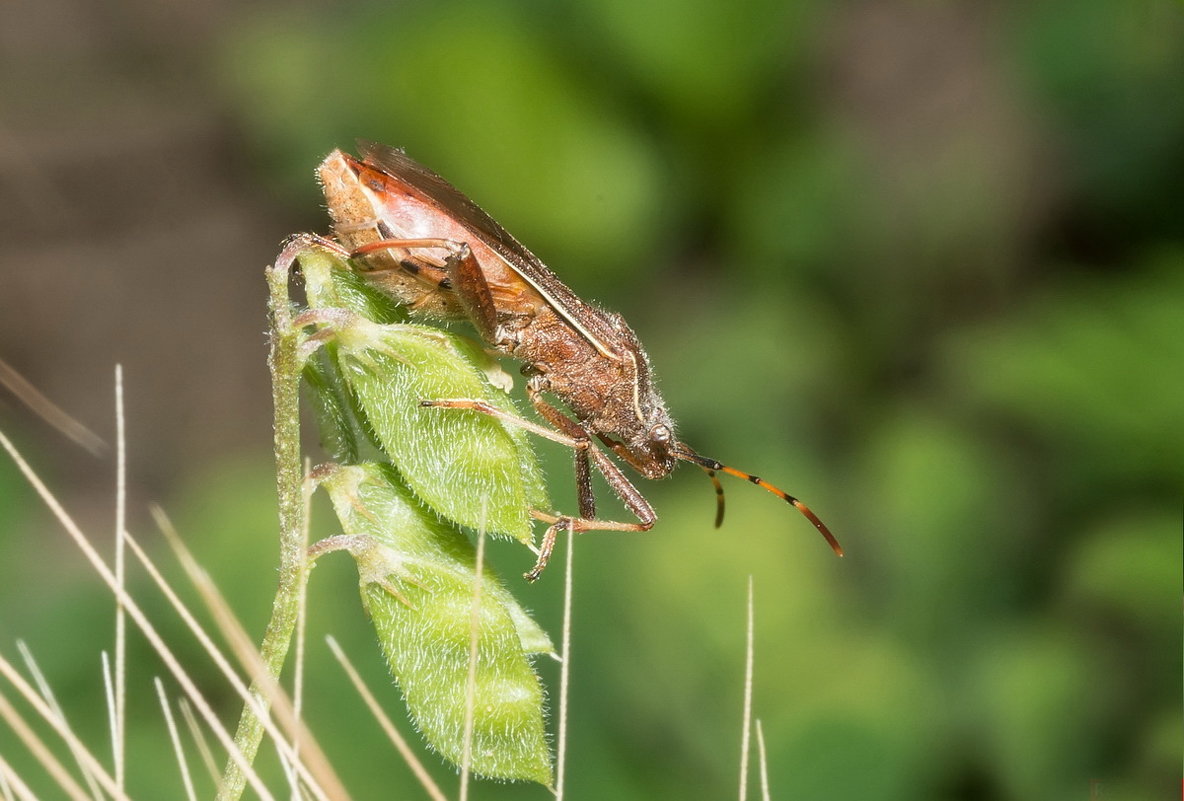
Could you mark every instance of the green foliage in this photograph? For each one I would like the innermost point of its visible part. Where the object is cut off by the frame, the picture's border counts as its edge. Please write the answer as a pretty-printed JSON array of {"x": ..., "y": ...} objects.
[
  {"x": 919, "y": 263},
  {"x": 417, "y": 582},
  {"x": 1108, "y": 348}
]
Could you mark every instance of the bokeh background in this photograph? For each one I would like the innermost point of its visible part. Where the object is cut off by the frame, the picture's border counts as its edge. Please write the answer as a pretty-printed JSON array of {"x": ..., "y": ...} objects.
[{"x": 920, "y": 263}]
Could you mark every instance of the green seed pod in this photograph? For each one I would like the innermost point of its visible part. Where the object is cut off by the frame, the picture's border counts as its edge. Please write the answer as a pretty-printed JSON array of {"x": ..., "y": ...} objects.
[
  {"x": 470, "y": 467},
  {"x": 330, "y": 283},
  {"x": 417, "y": 578}
]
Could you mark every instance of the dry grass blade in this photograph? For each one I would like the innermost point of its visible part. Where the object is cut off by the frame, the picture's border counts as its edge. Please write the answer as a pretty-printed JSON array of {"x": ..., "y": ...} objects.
[
  {"x": 199, "y": 739},
  {"x": 5, "y": 788},
  {"x": 384, "y": 721},
  {"x": 137, "y": 615},
  {"x": 175, "y": 736},
  {"x": 48, "y": 411},
  {"x": 564, "y": 673},
  {"x": 109, "y": 696},
  {"x": 89, "y": 765},
  {"x": 77, "y": 749},
  {"x": 10, "y": 781},
  {"x": 314, "y": 767},
  {"x": 744, "y": 732},
  {"x": 296, "y": 788},
  {"x": 764, "y": 760},
  {"x": 40, "y": 751},
  {"x": 120, "y": 709},
  {"x": 471, "y": 680}
]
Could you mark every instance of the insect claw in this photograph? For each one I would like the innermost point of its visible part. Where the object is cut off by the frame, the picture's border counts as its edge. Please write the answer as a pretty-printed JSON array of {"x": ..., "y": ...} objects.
[{"x": 546, "y": 547}]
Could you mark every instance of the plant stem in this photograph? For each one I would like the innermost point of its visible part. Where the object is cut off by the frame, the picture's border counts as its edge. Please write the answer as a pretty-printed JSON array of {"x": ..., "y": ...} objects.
[{"x": 285, "y": 389}]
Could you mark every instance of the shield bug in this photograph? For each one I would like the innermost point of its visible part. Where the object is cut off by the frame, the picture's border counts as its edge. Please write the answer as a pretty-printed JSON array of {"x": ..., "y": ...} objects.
[{"x": 420, "y": 240}]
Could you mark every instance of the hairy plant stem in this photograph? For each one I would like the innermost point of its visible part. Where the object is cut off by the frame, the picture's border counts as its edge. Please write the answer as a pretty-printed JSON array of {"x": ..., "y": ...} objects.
[{"x": 285, "y": 366}]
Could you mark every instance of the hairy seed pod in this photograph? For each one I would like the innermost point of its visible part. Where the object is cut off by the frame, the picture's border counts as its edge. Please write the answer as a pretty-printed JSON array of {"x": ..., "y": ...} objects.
[
  {"x": 469, "y": 467},
  {"x": 418, "y": 582}
]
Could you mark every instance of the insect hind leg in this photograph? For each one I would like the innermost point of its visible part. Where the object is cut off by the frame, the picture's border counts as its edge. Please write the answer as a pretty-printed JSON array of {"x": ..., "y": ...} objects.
[{"x": 573, "y": 525}]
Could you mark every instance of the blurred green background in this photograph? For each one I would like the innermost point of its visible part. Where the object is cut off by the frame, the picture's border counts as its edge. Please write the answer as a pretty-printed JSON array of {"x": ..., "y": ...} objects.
[{"x": 922, "y": 264}]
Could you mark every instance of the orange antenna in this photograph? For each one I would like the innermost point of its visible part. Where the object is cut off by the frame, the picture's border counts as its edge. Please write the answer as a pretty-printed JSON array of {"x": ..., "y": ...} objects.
[
  {"x": 712, "y": 466},
  {"x": 719, "y": 495}
]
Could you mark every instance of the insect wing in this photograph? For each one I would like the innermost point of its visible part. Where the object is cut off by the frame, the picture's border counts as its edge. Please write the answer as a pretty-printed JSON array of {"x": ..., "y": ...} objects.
[
  {"x": 449, "y": 199},
  {"x": 452, "y": 201}
]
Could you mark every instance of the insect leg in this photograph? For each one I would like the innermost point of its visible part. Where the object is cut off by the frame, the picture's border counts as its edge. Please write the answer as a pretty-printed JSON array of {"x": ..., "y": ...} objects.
[
  {"x": 583, "y": 469},
  {"x": 547, "y": 547},
  {"x": 464, "y": 276},
  {"x": 299, "y": 243},
  {"x": 620, "y": 484},
  {"x": 634, "y": 501},
  {"x": 434, "y": 243},
  {"x": 506, "y": 417},
  {"x": 573, "y": 435},
  {"x": 475, "y": 296},
  {"x": 423, "y": 268},
  {"x": 573, "y": 524}
]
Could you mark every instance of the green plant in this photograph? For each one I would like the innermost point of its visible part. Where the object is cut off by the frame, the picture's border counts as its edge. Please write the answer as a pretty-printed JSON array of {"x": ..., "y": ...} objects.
[{"x": 406, "y": 481}]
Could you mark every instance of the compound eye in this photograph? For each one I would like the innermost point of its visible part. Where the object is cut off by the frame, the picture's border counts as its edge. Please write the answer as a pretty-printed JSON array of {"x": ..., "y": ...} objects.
[{"x": 661, "y": 433}]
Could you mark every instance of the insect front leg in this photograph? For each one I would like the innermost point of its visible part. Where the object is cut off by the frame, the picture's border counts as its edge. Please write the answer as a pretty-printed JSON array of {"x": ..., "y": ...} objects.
[
  {"x": 573, "y": 435},
  {"x": 634, "y": 501},
  {"x": 300, "y": 243},
  {"x": 584, "y": 495}
]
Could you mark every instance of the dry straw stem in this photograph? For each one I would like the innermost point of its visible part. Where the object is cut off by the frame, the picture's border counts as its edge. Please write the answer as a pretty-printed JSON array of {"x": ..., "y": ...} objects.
[
  {"x": 119, "y": 711},
  {"x": 89, "y": 765},
  {"x": 747, "y": 724},
  {"x": 48, "y": 411},
  {"x": 10, "y": 780},
  {"x": 136, "y": 614},
  {"x": 421, "y": 773},
  {"x": 763, "y": 760},
  {"x": 40, "y": 750},
  {"x": 564, "y": 673},
  {"x": 175, "y": 736},
  {"x": 112, "y": 709},
  {"x": 199, "y": 739},
  {"x": 314, "y": 768},
  {"x": 81, "y": 756}
]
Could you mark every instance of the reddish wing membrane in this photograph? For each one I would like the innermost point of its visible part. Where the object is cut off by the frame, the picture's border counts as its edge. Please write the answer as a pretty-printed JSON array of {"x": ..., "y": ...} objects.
[{"x": 436, "y": 190}]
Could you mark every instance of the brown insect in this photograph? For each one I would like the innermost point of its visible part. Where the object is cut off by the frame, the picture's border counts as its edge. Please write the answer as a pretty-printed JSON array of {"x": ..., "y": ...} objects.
[{"x": 417, "y": 238}]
